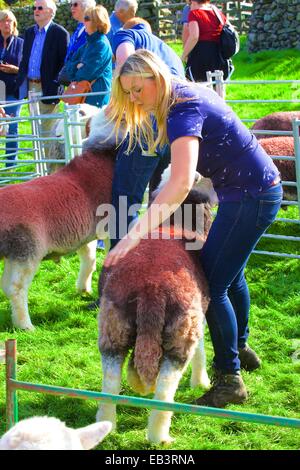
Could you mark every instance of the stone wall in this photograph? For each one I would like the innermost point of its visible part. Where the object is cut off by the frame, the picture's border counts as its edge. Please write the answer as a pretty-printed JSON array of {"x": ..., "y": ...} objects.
[{"x": 274, "y": 24}]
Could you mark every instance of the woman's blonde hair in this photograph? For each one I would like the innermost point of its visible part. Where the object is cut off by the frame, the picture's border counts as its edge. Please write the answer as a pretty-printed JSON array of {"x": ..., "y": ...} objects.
[
  {"x": 9, "y": 14},
  {"x": 138, "y": 123},
  {"x": 99, "y": 18}
]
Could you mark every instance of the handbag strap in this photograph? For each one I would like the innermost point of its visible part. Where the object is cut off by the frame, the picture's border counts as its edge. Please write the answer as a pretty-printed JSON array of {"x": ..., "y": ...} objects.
[
  {"x": 91, "y": 83},
  {"x": 218, "y": 14}
]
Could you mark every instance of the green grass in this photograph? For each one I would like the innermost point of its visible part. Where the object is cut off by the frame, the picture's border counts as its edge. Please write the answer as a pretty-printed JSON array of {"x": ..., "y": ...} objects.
[
  {"x": 264, "y": 65},
  {"x": 63, "y": 349}
]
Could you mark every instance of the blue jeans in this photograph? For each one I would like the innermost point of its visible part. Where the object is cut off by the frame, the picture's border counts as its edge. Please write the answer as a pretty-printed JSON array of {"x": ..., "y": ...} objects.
[
  {"x": 12, "y": 147},
  {"x": 234, "y": 233},
  {"x": 132, "y": 174}
]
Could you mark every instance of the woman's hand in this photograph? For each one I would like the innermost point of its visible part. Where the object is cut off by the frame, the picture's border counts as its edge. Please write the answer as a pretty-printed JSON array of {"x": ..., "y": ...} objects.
[
  {"x": 121, "y": 249},
  {"x": 9, "y": 68},
  {"x": 79, "y": 65}
]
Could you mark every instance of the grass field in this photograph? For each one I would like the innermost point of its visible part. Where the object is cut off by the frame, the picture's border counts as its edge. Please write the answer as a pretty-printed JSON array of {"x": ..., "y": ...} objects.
[{"x": 63, "y": 349}]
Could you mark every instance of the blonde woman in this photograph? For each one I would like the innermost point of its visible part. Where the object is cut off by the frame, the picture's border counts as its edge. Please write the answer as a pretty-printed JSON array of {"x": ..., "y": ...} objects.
[
  {"x": 204, "y": 135},
  {"x": 93, "y": 60},
  {"x": 11, "y": 48}
]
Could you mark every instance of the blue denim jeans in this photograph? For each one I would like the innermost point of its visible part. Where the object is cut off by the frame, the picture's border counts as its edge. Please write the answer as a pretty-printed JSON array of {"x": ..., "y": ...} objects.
[
  {"x": 12, "y": 147},
  {"x": 132, "y": 174},
  {"x": 234, "y": 233}
]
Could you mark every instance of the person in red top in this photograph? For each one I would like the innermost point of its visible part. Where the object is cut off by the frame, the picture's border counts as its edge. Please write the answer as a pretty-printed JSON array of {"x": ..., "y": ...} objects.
[{"x": 201, "y": 50}]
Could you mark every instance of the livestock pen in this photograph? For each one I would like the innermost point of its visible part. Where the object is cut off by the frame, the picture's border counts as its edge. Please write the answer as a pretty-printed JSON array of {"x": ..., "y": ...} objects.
[{"x": 63, "y": 351}]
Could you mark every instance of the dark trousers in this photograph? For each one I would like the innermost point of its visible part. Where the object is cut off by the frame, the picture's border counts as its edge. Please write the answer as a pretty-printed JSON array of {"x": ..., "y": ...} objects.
[
  {"x": 205, "y": 57},
  {"x": 12, "y": 147},
  {"x": 234, "y": 233}
]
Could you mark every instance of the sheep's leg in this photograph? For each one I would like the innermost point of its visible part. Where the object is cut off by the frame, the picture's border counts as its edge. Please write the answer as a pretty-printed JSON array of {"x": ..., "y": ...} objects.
[
  {"x": 111, "y": 383},
  {"x": 167, "y": 382},
  {"x": 199, "y": 373},
  {"x": 16, "y": 279},
  {"x": 87, "y": 256}
]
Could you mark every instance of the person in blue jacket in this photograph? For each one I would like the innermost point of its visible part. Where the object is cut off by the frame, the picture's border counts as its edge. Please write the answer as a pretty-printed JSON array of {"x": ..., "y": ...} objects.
[
  {"x": 134, "y": 169},
  {"x": 93, "y": 60},
  {"x": 11, "y": 48},
  {"x": 124, "y": 10},
  {"x": 78, "y": 38}
]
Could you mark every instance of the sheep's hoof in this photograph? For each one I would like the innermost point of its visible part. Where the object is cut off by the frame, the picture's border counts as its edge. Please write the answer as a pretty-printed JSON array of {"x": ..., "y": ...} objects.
[
  {"x": 84, "y": 290},
  {"x": 163, "y": 440},
  {"x": 166, "y": 441},
  {"x": 26, "y": 327},
  {"x": 200, "y": 381}
]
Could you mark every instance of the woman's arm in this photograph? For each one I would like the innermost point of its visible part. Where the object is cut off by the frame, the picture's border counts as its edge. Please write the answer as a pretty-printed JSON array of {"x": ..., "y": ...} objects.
[
  {"x": 71, "y": 64},
  {"x": 94, "y": 62},
  {"x": 184, "y": 158},
  {"x": 185, "y": 33},
  {"x": 124, "y": 50},
  {"x": 192, "y": 39}
]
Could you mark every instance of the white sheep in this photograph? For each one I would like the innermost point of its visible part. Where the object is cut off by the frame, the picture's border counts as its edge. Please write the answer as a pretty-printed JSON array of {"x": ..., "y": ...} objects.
[
  {"x": 45, "y": 433},
  {"x": 57, "y": 148}
]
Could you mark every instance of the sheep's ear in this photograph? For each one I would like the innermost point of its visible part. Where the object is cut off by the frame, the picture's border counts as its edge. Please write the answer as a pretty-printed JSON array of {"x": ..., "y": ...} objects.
[{"x": 91, "y": 435}]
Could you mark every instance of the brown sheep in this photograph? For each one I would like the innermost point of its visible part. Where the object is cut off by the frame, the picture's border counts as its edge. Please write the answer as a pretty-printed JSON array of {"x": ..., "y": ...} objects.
[
  {"x": 52, "y": 216},
  {"x": 283, "y": 146},
  {"x": 154, "y": 301},
  {"x": 281, "y": 121}
]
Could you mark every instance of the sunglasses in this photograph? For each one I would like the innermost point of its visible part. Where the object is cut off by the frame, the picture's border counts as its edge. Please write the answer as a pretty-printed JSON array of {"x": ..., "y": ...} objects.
[
  {"x": 75, "y": 4},
  {"x": 38, "y": 8},
  {"x": 87, "y": 18}
]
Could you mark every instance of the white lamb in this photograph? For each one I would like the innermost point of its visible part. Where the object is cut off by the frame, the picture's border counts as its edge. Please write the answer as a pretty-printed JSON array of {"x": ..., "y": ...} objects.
[{"x": 44, "y": 433}]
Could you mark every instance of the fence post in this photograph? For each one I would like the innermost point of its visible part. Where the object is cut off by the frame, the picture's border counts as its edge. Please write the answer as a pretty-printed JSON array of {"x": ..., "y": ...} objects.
[
  {"x": 69, "y": 151},
  {"x": 11, "y": 394},
  {"x": 2, "y": 92},
  {"x": 34, "y": 110},
  {"x": 296, "y": 135},
  {"x": 77, "y": 128},
  {"x": 220, "y": 87},
  {"x": 157, "y": 15},
  {"x": 209, "y": 78}
]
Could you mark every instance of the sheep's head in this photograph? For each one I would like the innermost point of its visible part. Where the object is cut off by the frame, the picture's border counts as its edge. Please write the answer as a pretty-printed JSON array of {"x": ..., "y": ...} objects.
[
  {"x": 201, "y": 192},
  {"x": 44, "y": 433},
  {"x": 194, "y": 214},
  {"x": 101, "y": 133}
]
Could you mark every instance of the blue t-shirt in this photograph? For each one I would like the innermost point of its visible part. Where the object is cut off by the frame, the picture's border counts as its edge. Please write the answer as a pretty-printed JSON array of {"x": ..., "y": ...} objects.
[
  {"x": 115, "y": 25},
  {"x": 140, "y": 37},
  {"x": 185, "y": 14},
  {"x": 229, "y": 154}
]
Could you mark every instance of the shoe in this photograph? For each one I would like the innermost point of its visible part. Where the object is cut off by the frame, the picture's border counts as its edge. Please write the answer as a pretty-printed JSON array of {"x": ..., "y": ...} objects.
[
  {"x": 226, "y": 388},
  {"x": 100, "y": 245},
  {"x": 248, "y": 358},
  {"x": 93, "y": 305}
]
